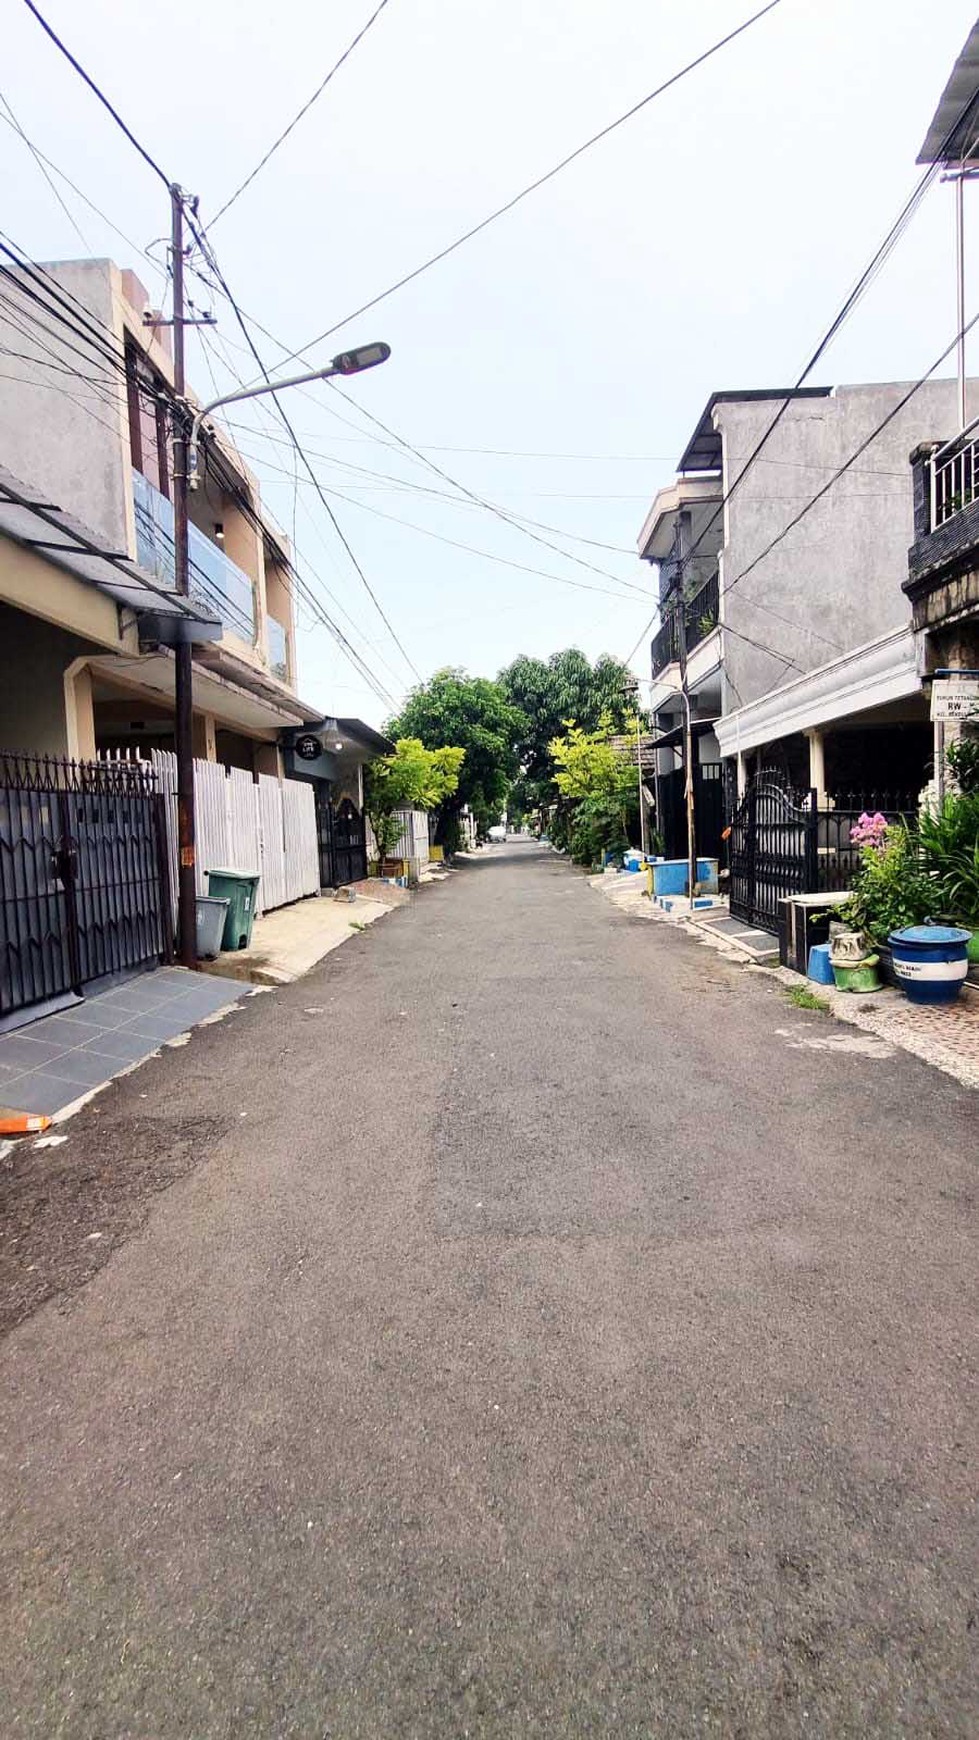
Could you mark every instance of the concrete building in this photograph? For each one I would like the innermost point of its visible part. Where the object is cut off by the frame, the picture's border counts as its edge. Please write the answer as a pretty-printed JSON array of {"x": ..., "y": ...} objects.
[
  {"x": 84, "y": 422},
  {"x": 800, "y": 655}
]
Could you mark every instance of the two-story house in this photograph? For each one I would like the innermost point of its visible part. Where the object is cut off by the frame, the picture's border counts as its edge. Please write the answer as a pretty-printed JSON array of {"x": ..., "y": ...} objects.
[
  {"x": 84, "y": 422},
  {"x": 799, "y": 653}
]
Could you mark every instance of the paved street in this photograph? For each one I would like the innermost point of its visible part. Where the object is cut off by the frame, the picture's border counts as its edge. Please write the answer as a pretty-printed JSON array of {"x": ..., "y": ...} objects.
[{"x": 554, "y": 1337}]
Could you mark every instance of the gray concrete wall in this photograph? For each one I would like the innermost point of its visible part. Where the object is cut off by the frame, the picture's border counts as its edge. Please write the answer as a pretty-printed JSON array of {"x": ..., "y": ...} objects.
[
  {"x": 32, "y": 693},
  {"x": 836, "y": 578},
  {"x": 64, "y": 419}
]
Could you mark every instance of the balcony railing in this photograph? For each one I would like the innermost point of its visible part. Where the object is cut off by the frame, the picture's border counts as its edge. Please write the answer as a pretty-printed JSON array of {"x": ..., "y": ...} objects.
[
  {"x": 278, "y": 650},
  {"x": 954, "y": 480},
  {"x": 700, "y": 619},
  {"x": 215, "y": 581}
]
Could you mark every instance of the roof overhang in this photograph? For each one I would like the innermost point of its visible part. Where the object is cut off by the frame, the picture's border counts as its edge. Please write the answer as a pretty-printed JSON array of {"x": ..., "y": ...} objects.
[
  {"x": 953, "y": 136},
  {"x": 673, "y": 738},
  {"x": 267, "y": 689},
  {"x": 703, "y": 451},
  {"x": 874, "y": 675},
  {"x": 232, "y": 705},
  {"x": 39, "y": 525},
  {"x": 659, "y": 528}
]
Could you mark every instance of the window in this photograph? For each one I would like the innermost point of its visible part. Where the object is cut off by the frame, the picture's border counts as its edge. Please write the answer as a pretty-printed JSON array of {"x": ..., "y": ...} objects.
[{"x": 147, "y": 420}]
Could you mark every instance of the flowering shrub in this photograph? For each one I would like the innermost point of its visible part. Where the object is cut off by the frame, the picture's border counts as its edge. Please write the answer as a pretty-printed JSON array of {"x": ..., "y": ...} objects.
[{"x": 870, "y": 830}]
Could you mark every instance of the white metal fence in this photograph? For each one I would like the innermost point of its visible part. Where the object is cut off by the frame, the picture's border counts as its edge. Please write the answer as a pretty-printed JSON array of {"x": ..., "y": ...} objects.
[
  {"x": 261, "y": 826},
  {"x": 412, "y": 842}
]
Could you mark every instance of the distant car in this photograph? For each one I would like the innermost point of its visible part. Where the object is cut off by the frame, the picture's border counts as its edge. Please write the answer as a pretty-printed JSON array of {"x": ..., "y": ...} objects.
[{"x": 497, "y": 834}]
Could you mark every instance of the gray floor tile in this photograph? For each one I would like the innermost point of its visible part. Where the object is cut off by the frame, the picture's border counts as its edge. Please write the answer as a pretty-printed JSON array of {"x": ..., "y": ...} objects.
[
  {"x": 7, "y": 1073},
  {"x": 65, "y": 1030},
  {"x": 40, "y": 1092},
  {"x": 25, "y": 1053},
  {"x": 131, "y": 1002},
  {"x": 119, "y": 1048},
  {"x": 154, "y": 1029},
  {"x": 86, "y": 1068}
]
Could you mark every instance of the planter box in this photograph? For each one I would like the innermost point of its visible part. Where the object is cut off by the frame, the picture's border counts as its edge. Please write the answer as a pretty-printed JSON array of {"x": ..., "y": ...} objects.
[
  {"x": 670, "y": 875},
  {"x": 804, "y": 921}
]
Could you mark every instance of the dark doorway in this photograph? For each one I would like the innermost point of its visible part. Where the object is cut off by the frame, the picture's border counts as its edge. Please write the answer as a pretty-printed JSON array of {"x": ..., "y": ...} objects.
[
  {"x": 349, "y": 844},
  {"x": 324, "y": 832}
]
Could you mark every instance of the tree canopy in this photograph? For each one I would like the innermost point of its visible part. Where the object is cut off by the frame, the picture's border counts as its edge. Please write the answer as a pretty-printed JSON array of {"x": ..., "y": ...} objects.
[
  {"x": 476, "y": 715},
  {"x": 548, "y": 693}
]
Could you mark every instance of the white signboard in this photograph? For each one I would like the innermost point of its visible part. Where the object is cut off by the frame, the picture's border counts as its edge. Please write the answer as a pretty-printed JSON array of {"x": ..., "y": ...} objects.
[{"x": 955, "y": 698}]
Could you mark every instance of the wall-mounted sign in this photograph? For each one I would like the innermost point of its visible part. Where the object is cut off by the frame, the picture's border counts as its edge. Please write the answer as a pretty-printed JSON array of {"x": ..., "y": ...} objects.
[
  {"x": 955, "y": 698},
  {"x": 308, "y": 747}
]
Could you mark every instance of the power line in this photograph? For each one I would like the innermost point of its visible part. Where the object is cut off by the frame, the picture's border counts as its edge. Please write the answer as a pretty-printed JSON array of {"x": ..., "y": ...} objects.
[
  {"x": 42, "y": 166},
  {"x": 881, "y": 426},
  {"x": 100, "y": 94},
  {"x": 541, "y": 180},
  {"x": 208, "y": 254},
  {"x": 481, "y": 501},
  {"x": 348, "y": 51}
]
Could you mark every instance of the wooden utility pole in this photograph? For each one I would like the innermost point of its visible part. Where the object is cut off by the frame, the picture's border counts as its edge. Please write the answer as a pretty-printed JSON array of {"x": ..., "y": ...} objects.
[{"x": 184, "y": 670}]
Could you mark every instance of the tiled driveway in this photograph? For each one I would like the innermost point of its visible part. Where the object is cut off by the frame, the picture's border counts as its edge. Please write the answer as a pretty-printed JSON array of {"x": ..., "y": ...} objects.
[{"x": 45, "y": 1066}]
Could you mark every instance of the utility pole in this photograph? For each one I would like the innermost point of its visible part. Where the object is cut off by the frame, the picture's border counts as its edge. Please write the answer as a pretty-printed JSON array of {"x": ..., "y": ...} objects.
[
  {"x": 680, "y": 619},
  {"x": 184, "y": 671},
  {"x": 642, "y": 797}
]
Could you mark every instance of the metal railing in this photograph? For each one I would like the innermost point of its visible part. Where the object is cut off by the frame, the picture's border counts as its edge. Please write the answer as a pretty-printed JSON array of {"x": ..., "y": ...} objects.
[
  {"x": 702, "y": 612},
  {"x": 700, "y": 619},
  {"x": 215, "y": 581},
  {"x": 954, "y": 478}
]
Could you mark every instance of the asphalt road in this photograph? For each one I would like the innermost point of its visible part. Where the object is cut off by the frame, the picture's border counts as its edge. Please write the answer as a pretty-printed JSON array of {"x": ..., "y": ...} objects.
[{"x": 554, "y": 1338}]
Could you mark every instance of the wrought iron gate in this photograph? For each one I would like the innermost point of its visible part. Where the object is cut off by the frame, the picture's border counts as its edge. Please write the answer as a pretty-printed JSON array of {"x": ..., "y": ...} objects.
[
  {"x": 84, "y": 894},
  {"x": 349, "y": 844},
  {"x": 773, "y": 851}
]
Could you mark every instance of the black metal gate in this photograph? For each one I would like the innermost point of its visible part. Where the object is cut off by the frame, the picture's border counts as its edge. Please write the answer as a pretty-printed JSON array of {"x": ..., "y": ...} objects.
[
  {"x": 84, "y": 894},
  {"x": 324, "y": 833},
  {"x": 349, "y": 844},
  {"x": 773, "y": 851}
]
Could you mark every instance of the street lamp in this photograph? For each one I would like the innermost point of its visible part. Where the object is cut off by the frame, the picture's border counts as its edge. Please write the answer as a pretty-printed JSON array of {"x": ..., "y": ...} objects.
[{"x": 349, "y": 362}]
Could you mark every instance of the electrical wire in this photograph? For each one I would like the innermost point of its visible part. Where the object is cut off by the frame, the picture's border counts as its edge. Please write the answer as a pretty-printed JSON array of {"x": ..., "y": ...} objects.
[
  {"x": 348, "y": 51},
  {"x": 541, "y": 180},
  {"x": 94, "y": 88},
  {"x": 208, "y": 253},
  {"x": 38, "y": 159}
]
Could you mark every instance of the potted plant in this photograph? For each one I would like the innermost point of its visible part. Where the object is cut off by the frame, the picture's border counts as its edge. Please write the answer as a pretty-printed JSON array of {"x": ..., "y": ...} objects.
[{"x": 891, "y": 890}]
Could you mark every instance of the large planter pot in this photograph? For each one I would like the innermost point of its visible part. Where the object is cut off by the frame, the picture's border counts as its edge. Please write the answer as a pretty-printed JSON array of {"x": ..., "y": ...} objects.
[
  {"x": 930, "y": 961},
  {"x": 858, "y": 975}
]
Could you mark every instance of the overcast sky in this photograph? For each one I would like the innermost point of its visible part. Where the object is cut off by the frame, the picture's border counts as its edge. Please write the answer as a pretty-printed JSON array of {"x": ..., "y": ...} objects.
[{"x": 705, "y": 245}]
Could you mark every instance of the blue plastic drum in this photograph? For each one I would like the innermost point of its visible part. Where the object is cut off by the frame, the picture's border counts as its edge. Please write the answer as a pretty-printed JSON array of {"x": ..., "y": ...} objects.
[{"x": 930, "y": 961}]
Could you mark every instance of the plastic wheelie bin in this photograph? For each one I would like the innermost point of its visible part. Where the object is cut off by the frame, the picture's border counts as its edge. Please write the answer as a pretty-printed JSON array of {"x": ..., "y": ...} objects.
[
  {"x": 212, "y": 916},
  {"x": 239, "y": 888}
]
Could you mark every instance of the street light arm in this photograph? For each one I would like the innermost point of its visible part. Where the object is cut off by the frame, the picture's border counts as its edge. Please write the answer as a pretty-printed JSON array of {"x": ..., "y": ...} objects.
[{"x": 349, "y": 362}]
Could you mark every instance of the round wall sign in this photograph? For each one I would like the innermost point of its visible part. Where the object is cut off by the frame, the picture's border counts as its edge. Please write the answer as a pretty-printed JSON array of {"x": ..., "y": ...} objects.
[{"x": 308, "y": 747}]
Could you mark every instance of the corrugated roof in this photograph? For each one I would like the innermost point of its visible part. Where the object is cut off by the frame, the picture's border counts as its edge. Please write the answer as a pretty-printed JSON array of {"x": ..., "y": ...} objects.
[
  {"x": 953, "y": 136},
  {"x": 703, "y": 450}
]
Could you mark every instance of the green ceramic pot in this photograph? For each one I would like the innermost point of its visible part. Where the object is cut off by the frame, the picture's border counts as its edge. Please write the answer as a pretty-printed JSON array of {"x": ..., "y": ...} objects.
[{"x": 860, "y": 976}]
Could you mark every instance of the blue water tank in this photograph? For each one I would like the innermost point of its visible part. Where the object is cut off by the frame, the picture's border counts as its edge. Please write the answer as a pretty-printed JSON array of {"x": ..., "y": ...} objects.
[{"x": 930, "y": 961}]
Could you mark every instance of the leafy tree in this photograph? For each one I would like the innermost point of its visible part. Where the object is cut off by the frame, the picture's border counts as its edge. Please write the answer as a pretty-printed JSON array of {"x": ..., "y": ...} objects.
[
  {"x": 597, "y": 787},
  {"x": 412, "y": 778},
  {"x": 550, "y": 691},
  {"x": 475, "y": 714}
]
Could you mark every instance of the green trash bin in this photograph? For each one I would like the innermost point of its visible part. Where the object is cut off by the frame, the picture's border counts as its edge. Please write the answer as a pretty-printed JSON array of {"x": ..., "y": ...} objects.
[{"x": 239, "y": 888}]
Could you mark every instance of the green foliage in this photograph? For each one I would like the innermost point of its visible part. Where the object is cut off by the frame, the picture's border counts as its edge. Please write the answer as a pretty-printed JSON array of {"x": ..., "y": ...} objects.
[
  {"x": 547, "y": 692},
  {"x": 412, "y": 778},
  {"x": 475, "y": 714},
  {"x": 949, "y": 842},
  {"x": 891, "y": 889},
  {"x": 963, "y": 760},
  {"x": 598, "y": 795},
  {"x": 803, "y": 998}
]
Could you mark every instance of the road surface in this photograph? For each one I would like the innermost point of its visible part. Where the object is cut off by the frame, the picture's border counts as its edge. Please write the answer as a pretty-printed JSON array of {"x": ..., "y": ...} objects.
[{"x": 554, "y": 1338}]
